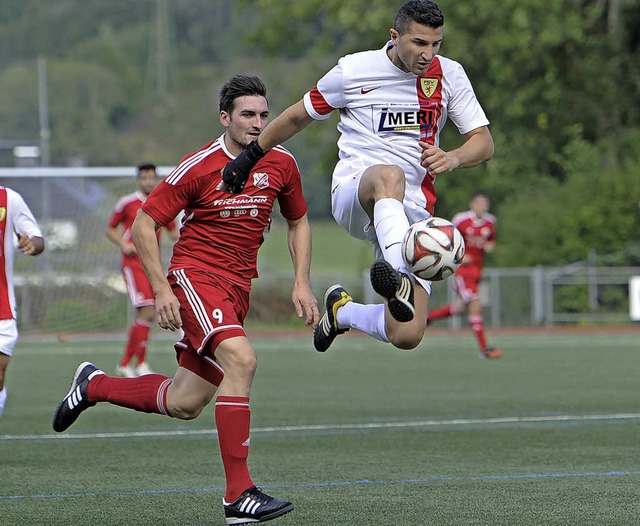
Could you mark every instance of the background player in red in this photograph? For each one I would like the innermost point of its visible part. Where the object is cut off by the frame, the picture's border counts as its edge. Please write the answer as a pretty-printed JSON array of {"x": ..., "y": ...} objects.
[
  {"x": 478, "y": 228},
  {"x": 140, "y": 292},
  {"x": 207, "y": 291},
  {"x": 16, "y": 221}
]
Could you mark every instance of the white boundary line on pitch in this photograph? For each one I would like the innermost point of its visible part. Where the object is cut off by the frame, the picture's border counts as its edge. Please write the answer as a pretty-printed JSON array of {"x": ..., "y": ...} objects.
[{"x": 335, "y": 427}]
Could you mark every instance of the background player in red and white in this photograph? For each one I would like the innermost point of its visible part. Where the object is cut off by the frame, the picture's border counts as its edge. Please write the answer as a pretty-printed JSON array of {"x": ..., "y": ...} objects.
[
  {"x": 138, "y": 286},
  {"x": 18, "y": 229},
  {"x": 478, "y": 228},
  {"x": 393, "y": 103},
  {"x": 207, "y": 291}
]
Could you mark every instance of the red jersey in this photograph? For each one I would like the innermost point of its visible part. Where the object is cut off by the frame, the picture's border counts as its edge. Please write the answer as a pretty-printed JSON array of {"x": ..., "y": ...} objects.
[
  {"x": 124, "y": 214},
  {"x": 221, "y": 232},
  {"x": 476, "y": 231}
]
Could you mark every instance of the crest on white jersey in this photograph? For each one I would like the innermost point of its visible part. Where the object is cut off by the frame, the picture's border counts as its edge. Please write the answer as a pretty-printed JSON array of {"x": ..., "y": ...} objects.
[
  {"x": 260, "y": 180},
  {"x": 428, "y": 86}
]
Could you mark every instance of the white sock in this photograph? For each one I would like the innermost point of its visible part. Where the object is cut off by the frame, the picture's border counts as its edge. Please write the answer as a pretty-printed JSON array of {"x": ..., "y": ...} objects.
[
  {"x": 3, "y": 399},
  {"x": 391, "y": 225},
  {"x": 366, "y": 318}
]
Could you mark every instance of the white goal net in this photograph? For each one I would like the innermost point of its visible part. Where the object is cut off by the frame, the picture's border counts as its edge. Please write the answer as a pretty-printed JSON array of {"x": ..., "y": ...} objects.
[{"x": 75, "y": 285}]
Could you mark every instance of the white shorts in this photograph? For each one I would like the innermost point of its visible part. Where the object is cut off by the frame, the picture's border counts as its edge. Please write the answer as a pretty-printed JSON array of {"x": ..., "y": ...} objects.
[
  {"x": 349, "y": 214},
  {"x": 8, "y": 336},
  {"x": 345, "y": 205}
]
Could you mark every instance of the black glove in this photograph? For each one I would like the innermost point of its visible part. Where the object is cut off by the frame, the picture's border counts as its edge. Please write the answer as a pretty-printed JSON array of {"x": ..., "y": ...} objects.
[{"x": 236, "y": 172}]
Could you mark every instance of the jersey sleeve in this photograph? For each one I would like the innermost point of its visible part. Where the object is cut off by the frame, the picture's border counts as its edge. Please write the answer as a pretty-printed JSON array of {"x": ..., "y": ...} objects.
[
  {"x": 166, "y": 201},
  {"x": 116, "y": 217},
  {"x": 24, "y": 222},
  {"x": 464, "y": 109},
  {"x": 458, "y": 219},
  {"x": 291, "y": 199},
  {"x": 327, "y": 96}
]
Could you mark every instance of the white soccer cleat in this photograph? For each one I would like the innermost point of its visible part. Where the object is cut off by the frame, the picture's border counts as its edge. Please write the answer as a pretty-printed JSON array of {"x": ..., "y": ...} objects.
[
  {"x": 126, "y": 371},
  {"x": 142, "y": 369}
]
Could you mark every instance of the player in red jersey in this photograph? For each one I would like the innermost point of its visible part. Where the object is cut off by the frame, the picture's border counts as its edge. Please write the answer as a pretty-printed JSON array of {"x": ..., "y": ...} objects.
[
  {"x": 138, "y": 286},
  {"x": 207, "y": 291},
  {"x": 393, "y": 103},
  {"x": 478, "y": 228},
  {"x": 18, "y": 229}
]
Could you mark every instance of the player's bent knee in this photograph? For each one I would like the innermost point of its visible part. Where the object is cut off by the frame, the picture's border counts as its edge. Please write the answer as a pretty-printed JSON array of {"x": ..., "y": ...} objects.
[
  {"x": 243, "y": 364},
  {"x": 185, "y": 411},
  {"x": 391, "y": 176},
  {"x": 406, "y": 340},
  {"x": 187, "y": 407}
]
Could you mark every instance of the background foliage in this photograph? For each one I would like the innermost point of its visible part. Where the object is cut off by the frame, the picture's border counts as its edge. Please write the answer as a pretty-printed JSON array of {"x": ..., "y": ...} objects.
[{"x": 133, "y": 80}]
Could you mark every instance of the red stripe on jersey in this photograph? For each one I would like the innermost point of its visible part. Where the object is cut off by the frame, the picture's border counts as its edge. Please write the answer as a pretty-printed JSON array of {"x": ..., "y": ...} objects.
[
  {"x": 321, "y": 106},
  {"x": 5, "y": 304},
  {"x": 429, "y": 90}
]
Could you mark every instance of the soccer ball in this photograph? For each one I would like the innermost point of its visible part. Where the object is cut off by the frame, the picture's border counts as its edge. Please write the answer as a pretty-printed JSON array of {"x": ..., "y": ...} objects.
[{"x": 433, "y": 249}]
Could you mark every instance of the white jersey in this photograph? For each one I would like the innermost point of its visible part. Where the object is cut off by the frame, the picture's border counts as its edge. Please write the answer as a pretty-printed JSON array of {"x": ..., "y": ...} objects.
[
  {"x": 15, "y": 216},
  {"x": 385, "y": 111}
]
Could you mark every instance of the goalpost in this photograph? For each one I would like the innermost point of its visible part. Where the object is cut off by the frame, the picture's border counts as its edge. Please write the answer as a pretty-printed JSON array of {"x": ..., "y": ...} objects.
[{"x": 76, "y": 285}]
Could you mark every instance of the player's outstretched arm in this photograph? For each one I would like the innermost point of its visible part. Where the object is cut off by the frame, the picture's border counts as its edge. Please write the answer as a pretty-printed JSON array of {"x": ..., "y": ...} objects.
[
  {"x": 144, "y": 237},
  {"x": 299, "y": 240},
  {"x": 292, "y": 120}
]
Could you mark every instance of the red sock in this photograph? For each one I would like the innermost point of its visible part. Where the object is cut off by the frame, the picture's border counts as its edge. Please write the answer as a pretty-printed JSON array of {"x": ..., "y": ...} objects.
[
  {"x": 441, "y": 313},
  {"x": 146, "y": 393},
  {"x": 477, "y": 326},
  {"x": 137, "y": 343},
  {"x": 233, "y": 419}
]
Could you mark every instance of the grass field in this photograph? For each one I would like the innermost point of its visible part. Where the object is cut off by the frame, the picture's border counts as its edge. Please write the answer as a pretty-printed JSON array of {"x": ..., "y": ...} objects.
[{"x": 362, "y": 435}]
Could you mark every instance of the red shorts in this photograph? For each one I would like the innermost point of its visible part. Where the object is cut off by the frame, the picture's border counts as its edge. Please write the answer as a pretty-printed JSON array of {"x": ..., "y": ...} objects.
[
  {"x": 212, "y": 310},
  {"x": 138, "y": 286},
  {"x": 466, "y": 281}
]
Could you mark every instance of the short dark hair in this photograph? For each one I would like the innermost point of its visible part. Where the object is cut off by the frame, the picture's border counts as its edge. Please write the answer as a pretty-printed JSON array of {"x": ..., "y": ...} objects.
[
  {"x": 146, "y": 166},
  {"x": 421, "y": 11},
  {"x": 240, "y": 86},
  {"x": 479, "y": 193}
]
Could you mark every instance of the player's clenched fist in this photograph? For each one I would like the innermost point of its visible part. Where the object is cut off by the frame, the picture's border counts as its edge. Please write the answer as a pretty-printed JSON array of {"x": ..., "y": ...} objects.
[
  {"x": 236, "y": 173},
  {"x": 29, "y": 245}
]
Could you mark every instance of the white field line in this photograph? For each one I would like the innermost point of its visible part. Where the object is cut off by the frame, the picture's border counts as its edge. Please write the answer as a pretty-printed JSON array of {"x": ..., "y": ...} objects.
[{"x": 335, "y": 427}]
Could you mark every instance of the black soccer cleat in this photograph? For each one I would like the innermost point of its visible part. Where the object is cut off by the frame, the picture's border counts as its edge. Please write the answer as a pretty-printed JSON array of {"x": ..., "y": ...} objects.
[
  {"x": 395, "y": 287},
  {"x": 335, "y": 297},
  {"x": 491, "y": 353},
  {"x": 76, "y": 400},
  {"x": 255, "y": 506}
]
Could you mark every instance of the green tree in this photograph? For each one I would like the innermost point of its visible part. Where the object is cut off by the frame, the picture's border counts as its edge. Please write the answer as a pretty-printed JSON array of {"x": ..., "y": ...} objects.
[{"x": 559, "y": 81}]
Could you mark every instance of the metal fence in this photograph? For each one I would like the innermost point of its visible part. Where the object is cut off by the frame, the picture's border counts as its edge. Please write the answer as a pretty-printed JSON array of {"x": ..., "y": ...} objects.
[
  {"x": 76, "y": 285},
  {"x": 547, "y": 296}
]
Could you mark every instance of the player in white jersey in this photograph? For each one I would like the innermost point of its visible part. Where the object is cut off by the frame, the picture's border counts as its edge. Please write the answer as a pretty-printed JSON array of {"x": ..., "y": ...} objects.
[
  {"x": 393, "y": 103},
  {"x": 18, "y": 229}
]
